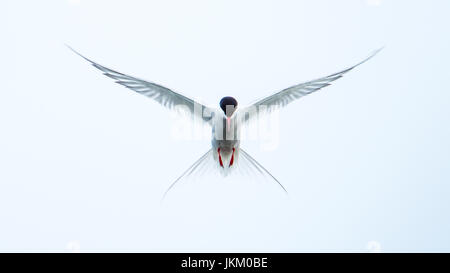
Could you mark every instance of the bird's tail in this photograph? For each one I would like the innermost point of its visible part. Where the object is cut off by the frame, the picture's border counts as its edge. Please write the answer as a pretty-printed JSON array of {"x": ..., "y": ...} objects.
[
  {"x": 249, "y": 165},
  {"x": 202, "y": 165},
  {"x": 245, "y": 166}
]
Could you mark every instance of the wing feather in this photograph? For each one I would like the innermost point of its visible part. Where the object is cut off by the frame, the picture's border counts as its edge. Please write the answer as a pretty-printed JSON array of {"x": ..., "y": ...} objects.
[
  {"x": 164, "y": 96},
  {"x": 288, "y": 95}
]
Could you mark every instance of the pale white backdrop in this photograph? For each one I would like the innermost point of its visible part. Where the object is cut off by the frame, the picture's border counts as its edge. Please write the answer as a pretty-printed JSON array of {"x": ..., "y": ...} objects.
[{"x": 84, "y": 162}]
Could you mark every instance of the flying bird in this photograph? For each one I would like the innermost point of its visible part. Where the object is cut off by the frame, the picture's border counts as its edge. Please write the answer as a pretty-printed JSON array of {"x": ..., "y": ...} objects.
[{"x": 226, "y": 120}]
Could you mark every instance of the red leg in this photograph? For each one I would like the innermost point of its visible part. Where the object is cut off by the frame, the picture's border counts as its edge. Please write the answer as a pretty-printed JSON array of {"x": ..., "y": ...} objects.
[
  {"x": 232, "y": 158},
  {"x": 220, "y": 158}
]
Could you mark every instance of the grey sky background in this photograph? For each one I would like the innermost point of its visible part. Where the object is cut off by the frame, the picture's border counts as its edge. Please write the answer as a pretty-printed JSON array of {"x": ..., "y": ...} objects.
[{"x": 84, "y": 161}]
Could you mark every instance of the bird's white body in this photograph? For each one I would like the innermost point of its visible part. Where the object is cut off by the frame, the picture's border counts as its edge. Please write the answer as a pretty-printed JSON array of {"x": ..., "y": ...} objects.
[{"x": 225, "y": 142}]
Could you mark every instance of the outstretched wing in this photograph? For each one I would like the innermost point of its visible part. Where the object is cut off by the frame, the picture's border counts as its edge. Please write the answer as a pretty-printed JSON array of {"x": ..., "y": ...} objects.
[
  {"x": 288, "y": 95},
  {"x": 160, "y": 94}
]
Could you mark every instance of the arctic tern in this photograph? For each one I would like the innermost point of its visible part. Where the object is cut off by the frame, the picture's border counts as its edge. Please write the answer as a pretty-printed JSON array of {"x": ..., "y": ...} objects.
[{"x": 225, "y": 120}]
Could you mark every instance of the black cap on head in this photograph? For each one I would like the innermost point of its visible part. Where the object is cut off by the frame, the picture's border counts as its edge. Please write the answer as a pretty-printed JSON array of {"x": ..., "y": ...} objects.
[{"x": 228, "y": 101}]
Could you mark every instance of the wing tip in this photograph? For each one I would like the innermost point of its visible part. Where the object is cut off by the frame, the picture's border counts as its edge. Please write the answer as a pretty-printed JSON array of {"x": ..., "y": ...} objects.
[
  {"x": 79, "y": 54},
  {"x": 375, "y": 52}
]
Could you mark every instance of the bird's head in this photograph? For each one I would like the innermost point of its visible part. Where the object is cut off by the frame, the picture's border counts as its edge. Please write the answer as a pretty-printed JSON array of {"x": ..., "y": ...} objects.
[{"x": 228, "y": 105}]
